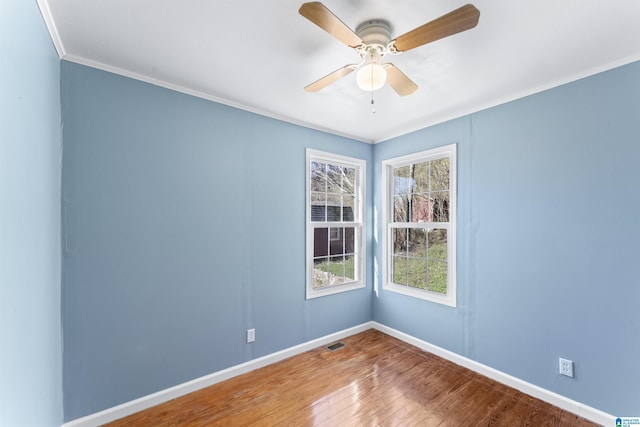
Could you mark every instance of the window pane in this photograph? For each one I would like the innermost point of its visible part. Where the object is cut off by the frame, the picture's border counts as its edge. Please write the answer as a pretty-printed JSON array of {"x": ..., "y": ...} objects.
[
  {"x": 417, "y": 272},
  {"x": 437, "y": 245},
  {"x": 349, "y": 268},
  {"x": 420, "y": 208},
  {"x": 334, "y": 212},
  {"x": 437, "y": 281},
  {"x": 336, "y": 244},
  {"x": 399, "y": 270},
  {"x": 421, "y": 176},
  {"x": 321, "y": 273},
  {"x": 334, "y": 179},
  {"x": 417, "y": 242},
  {"x": 439, "y": 174},
  {"x": 336, "y": 270},
  {"x": 320, "y": 242},
  {"x": 334, "y": 233},
  {"x": 417, "y": 258},
  {"x": 402, "y": 183},
  {"x": 401, "y": 208},
  {"x": 349, "y": 180},
  {"x": 349, "y": 240},
  {"x": 318, "y": 208},
  {"x": 334, "y": 199},
  {"x": 348, "y": 208},
  {"x": 402, "y": 171},
  {"x": 318, "y": 177},
  {"x": 399, "y": 239},
  {"x": 440, "y": 206}
]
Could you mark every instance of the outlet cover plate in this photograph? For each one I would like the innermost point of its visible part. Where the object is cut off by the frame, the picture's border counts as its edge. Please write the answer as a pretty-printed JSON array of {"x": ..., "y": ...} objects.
[
  {"x": 251, "y": 335},
  {"x": 566, "y": 367}
]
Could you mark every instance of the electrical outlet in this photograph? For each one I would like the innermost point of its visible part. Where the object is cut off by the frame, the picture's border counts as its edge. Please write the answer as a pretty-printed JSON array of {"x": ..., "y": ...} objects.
[
  {"x": 251, "y": 335},
  {"x": 566, "y": 367}
]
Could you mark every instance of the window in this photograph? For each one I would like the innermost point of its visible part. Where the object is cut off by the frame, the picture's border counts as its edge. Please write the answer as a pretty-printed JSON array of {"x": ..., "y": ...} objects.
[
  {"x": 335, "y": 212},
  {"x": 419, "y": 214}
]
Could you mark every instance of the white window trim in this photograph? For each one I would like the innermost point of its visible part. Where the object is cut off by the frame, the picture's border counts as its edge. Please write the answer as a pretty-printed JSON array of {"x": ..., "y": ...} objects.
[
  {"x": 360, "y": 237},
  {"x": 387, "y": 168}
]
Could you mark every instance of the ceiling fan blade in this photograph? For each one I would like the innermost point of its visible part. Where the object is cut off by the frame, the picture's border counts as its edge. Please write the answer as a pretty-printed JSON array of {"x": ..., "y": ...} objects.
[
  {"x": 317, "y": 13},
  {"x": 454, "y": 22},
  {"x": 399, "y": 81},
  {"x": 330, "y": 78}
]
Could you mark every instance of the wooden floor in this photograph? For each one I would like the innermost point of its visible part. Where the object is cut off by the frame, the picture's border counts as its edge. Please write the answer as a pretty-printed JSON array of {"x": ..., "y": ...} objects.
[{"x": 375, "y": 380}]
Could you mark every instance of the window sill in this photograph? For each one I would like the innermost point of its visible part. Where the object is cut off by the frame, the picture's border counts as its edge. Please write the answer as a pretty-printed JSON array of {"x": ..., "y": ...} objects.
[
  {"x": 336, "y": 289},
  {"x": 447, "y": 299}
]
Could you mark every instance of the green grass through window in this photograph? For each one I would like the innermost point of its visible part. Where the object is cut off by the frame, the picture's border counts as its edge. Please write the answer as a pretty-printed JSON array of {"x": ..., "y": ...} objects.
[{"x": 416, "y": 271}]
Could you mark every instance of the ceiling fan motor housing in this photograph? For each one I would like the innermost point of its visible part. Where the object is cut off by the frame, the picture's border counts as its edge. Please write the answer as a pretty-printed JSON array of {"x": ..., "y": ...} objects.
[{"x": 376, "y": 32}]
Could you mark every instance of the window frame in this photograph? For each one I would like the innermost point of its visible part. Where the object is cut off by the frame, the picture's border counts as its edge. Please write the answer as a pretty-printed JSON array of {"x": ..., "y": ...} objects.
[
  {"x": 358, "y": 223},
  {"x": 450, "y": 151}
]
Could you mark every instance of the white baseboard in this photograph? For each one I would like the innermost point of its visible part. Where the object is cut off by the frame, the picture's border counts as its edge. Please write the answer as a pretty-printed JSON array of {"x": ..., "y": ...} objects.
[
  {"x": 555, "y": 399},
  {"x": 162, "y": 396}
]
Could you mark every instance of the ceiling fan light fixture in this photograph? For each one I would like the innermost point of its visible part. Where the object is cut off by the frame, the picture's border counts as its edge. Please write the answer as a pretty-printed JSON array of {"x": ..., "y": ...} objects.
[
  {"x": 372, "y": 41},
  {"x": 371, "y": 76}
]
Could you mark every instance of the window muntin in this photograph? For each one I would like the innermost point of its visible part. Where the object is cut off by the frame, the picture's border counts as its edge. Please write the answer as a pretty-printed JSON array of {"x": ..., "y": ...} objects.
[
  {"x": 335, "y": 211},
  {"x": 419, "y": 217}
]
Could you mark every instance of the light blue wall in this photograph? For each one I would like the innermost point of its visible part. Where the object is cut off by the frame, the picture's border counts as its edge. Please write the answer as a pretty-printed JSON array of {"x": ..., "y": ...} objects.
[
  {"x": 548, "y": 235},
  {"x": 30, "y": 327},
  {"x": 184, "y": 225}
]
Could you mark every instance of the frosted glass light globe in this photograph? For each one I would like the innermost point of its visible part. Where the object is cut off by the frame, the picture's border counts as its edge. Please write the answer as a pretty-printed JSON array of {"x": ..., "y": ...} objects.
[{"x": 371, "y": 77}]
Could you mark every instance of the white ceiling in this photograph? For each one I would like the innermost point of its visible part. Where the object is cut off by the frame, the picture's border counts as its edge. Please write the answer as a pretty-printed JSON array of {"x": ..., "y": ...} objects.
[{"x": 258, "y": 55}]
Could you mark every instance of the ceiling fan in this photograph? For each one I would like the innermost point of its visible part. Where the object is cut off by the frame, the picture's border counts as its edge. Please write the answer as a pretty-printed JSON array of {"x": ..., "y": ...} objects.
[{"x": 372, "y": 41}]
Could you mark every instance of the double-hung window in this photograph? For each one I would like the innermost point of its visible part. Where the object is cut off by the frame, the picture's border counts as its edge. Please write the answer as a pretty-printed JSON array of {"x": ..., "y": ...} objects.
[
  {"x": 335, "y": 214},
  {"x": 419, "y": 216}
]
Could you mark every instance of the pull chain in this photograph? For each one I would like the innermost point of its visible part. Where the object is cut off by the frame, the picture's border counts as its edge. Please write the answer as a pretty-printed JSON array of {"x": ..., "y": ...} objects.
[{"x": 373, "y": 105}]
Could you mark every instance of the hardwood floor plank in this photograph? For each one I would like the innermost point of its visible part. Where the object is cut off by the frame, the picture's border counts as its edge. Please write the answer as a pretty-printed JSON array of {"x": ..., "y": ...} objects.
[{"x": 375, "y": 380}]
